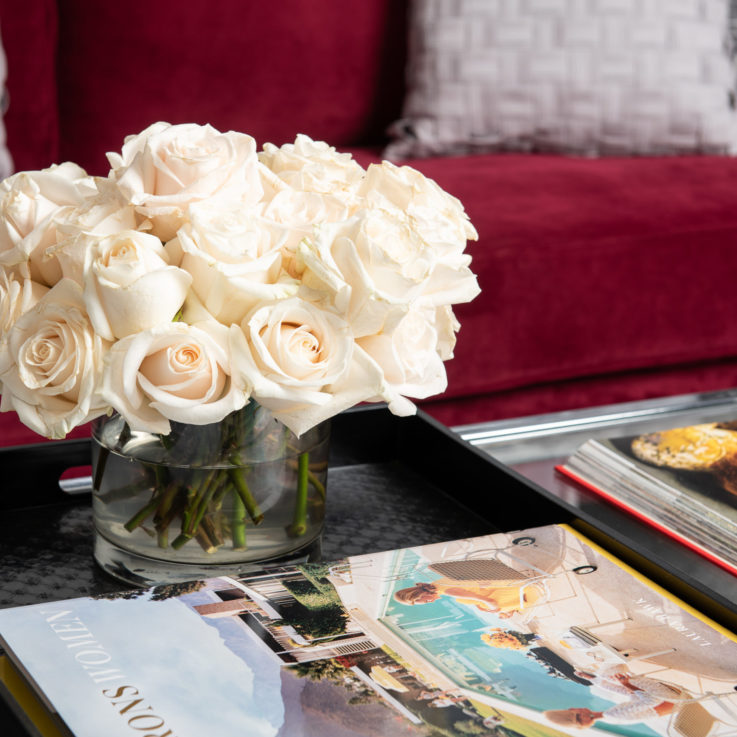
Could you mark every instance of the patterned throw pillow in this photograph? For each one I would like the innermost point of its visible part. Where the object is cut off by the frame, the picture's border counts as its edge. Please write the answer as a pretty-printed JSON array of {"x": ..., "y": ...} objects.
[{"x": 588, "y": 77}]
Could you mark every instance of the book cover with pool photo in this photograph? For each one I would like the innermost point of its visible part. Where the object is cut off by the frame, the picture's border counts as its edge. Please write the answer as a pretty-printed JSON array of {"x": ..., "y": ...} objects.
[{"x": 536, "y": 633}]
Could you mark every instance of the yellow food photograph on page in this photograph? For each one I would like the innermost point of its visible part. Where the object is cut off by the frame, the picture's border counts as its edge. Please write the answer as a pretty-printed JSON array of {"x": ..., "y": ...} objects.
[{"x": 709, "y": 447}]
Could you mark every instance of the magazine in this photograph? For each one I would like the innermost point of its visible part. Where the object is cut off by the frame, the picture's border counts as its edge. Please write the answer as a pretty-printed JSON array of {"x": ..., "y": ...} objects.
[
  {"x": 536, "y": 633},
  {"x": 681, "y": 480}
]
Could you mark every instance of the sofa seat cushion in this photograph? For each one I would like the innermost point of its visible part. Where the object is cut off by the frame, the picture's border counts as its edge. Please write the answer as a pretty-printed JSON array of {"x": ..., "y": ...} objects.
[
  {"x": 589, "y": 391},
  {"x": 592, "y": 266}
]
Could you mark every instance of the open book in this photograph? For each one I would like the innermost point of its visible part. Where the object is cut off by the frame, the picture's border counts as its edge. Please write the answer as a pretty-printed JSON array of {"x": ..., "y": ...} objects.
[
  {"x": 536, "y": 632},
  {"x": 682, "y": 481}
]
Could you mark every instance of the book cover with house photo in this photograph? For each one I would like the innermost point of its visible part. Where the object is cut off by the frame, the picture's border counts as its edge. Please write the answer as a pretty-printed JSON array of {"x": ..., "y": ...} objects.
[{"x": 535, "y": 633}]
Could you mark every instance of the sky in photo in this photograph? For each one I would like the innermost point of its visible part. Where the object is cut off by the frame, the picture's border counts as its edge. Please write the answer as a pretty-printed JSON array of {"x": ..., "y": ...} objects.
[{"x": 180, "y": 665}]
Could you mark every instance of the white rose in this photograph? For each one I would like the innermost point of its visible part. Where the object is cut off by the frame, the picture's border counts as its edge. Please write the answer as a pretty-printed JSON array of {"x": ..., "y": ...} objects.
[
  {"x": 30, "y": 203},
  {"x": 103, "y": 214},
  {"x": 297, "y": 213},
  {"x": 375, "y": 265},
  {"x": 167, "y": 167},
  {"x": 409, "y": 356},
  {"x": 129, "y": 285},
  {"x": 302, "y": 210},
  {"x": 438, "y": 217},
  {"x": 173, "y": 372},
  {"x": 447, "y": 326},
  {"x": 313, "y": 166},
  {"x": 234, "y": 257},
  {"x": 51, "y": 365},
  {"x": 17, "y": 296},
  {"x": 302, "y": 363}
]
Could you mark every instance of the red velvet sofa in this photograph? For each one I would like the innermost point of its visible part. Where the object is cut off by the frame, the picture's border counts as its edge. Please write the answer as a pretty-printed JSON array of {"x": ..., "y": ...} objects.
[{"x": 603, "y": 280}]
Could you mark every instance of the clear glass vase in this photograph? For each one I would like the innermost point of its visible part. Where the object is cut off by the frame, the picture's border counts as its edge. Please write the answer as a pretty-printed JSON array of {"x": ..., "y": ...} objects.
[{"x": 206, "y": 500}]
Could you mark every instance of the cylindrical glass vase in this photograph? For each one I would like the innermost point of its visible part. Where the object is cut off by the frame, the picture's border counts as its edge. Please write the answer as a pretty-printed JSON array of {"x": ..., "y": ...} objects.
[{"x": 206, "y": 500}]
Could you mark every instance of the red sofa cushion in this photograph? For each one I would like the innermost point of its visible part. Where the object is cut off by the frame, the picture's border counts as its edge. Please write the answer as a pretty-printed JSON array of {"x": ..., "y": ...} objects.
[
  {"x": 268, "y": 69},
  {"x": 589, "y": 391},
  {"x": 29, "y": 33},
  {"x": 590, "y": 267}
]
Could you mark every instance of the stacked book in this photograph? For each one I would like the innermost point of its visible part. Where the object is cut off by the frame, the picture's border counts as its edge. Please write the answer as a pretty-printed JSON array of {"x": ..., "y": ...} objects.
[{"x": 682, "y": 481}]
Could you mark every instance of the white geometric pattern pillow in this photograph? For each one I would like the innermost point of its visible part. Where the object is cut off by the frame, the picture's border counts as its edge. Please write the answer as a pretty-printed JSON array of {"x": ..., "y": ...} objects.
[{"x": 588, "y": 77}]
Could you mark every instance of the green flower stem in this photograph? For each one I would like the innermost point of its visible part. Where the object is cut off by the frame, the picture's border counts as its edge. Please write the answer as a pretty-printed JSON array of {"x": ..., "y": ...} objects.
[
  {"x": 187, "y": 500},
  {"x": 192, "y": 500},
  {"x": 193, "y": 511},
  {"x": 214, "y": 520},
  {"x": 102, "y": 457},
  {"x": 212, "y": 532},
  {"x": 180, "y": 540},
  {"x": 299, "y": 521},
  {"x": 238, "y": 523},
  {"x": 165, "y": 513},
  {"x": 312, "y": 477},
  {"x": 205, "y": 541},
  {"x": 319, "y": 486},
  {"x": 238, "y": 479},
  {"x": 167, "y": 498},
  {"x": 142, "y": 514},
  {"x": 223, "y": 487},
  {"x": 211, "y": 484}
]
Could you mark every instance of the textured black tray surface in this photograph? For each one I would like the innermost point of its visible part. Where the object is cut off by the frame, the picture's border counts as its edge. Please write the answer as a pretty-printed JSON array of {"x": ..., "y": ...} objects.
[
  {"x": 46, "y": 552},
  {"x": 393, "y": 482},
  {"x": 389, "y": 486}
]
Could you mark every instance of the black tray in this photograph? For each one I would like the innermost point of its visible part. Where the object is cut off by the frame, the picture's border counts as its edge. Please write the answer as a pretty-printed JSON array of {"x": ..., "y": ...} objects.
[{"x": 393, "y": 482}]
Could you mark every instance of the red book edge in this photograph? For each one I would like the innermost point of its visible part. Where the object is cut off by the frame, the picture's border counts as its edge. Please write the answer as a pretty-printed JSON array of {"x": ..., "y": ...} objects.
[{"x": 716, "y": 559}]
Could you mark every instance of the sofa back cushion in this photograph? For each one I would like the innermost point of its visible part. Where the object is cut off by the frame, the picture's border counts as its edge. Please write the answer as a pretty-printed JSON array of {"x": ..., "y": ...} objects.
[
  {"x": 31, "y": 121},
  {"x": 330, "y": 70}
]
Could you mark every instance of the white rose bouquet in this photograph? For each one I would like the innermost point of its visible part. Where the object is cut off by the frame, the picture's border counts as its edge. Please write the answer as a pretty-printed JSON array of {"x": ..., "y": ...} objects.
[{"x": 202, "y": 274}]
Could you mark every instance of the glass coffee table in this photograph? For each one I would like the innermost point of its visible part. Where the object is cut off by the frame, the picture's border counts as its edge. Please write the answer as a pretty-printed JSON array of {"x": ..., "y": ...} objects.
[{"x": 530, "y": 447}]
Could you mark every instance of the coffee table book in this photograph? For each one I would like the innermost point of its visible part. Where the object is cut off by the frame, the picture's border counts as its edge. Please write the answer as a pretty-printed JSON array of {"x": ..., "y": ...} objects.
[
  {"x": 505, "y": 628},
  {"x": 680, "y": 481}
]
